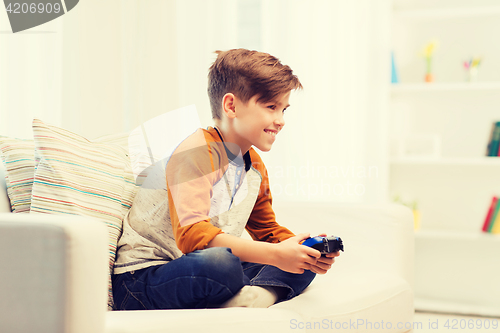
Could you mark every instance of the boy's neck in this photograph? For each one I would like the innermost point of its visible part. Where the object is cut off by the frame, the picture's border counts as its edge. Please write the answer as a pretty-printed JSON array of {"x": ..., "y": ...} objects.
[
  {"x": 230, "y": 139},
  {"x": 234, "y": 151}
]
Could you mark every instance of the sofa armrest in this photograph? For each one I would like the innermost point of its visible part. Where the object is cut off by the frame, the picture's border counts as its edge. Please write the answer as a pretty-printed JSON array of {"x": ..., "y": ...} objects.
[
  {"x": 54, "y": 273},
  {"x": 377, "y": 238}
]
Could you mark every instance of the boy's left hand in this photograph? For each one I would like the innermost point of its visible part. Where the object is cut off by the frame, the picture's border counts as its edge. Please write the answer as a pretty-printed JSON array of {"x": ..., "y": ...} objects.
[{"x": 324, "y": 263}]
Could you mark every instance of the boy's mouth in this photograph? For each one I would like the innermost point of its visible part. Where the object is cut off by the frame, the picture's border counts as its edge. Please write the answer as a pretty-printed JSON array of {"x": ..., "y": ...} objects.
[{"x": 271, "y": 132}]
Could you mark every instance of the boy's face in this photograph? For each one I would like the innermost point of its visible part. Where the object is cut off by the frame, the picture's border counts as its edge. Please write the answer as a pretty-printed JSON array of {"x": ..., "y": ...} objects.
[{"x": 257, "y": 124}]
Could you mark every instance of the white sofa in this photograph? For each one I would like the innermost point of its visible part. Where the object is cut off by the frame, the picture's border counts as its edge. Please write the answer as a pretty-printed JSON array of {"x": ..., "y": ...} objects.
[{"x": 54, "y": 277}]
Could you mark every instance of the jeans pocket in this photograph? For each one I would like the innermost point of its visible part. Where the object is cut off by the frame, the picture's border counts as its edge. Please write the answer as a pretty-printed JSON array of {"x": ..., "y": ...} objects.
[
  {"x": 250, "y": 265},
  {"x": 133, "y": 300}
]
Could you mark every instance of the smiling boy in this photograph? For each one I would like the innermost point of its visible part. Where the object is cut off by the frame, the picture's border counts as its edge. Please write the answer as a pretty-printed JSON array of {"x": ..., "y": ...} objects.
[{"x": 181, "y": 248}]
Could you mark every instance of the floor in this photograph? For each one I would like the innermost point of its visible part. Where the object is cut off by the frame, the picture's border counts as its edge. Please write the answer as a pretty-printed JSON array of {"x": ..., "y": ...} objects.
[{"x": 426, "y": 322}]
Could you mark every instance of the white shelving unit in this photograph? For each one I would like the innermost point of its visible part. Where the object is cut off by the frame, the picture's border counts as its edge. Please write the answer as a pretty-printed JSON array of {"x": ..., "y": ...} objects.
[
  {"x": 457, "y": 266},
  {"x": 448, "y": 13},
  {"x": 450, "y": 161},
  {"x": 450, "y": 86}
]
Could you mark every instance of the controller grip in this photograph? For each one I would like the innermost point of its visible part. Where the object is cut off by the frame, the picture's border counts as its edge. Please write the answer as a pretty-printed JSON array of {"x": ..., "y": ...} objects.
[{"x": 325, "y": 244}]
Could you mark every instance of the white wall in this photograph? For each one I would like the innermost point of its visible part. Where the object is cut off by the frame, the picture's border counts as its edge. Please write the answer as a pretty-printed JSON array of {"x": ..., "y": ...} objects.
[
  {"x": 30, "y": 76},
  {"x": 333, "y": 147},
  {"x": 116, "y": 67},
  {"x": 119, "y": 65}
]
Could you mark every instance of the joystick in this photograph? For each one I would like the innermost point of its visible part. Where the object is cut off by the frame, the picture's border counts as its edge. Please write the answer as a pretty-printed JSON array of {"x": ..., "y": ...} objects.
[{"x": 325, "y": 244}]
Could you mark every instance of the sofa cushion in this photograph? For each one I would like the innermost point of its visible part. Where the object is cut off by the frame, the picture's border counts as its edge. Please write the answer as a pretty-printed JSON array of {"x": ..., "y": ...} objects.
[
  {"x": 336, "y": 302},
  {"x": 373, "y": 297},
  {"x": 82, "y": 177},
  {"x": 17, "y": 156}
]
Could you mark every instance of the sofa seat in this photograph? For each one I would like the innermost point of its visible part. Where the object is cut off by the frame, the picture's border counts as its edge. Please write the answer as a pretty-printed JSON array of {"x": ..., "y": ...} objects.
[
  {"x": 369, "y": 286},
  {"x": 352, "y": 304}
]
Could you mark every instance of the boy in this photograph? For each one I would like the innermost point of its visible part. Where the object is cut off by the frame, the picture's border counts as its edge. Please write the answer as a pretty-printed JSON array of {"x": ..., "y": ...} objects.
[{"x": 181, "y": 247}]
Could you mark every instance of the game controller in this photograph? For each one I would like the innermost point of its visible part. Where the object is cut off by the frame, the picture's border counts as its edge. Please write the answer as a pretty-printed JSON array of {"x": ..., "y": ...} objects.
[{"x": 325, "y": 244}]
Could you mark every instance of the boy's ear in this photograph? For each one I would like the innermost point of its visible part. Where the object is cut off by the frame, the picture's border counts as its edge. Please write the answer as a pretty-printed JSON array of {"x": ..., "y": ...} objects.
[{"x": 228, "y": 105}]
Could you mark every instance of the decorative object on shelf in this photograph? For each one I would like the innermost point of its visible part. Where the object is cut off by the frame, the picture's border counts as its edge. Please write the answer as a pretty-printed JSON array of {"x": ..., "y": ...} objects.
[
  {"x": 427, "y": 54},
  {"x": 492, "y": 221},
  {"x": 414, "y": 207},
  {"x": 493, "y": 148},
  {"x": 471, "y": 68},
  {"x": 394, "y": 72},
  {"x": 416, "y": 219}
]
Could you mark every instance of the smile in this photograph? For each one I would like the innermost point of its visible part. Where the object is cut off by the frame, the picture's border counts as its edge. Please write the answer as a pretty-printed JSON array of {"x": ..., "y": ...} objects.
[{"x": 271, "y": 132}]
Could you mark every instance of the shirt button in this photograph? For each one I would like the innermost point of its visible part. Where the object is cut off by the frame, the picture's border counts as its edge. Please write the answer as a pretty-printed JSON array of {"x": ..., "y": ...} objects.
[{"x": 239, "y": 171}]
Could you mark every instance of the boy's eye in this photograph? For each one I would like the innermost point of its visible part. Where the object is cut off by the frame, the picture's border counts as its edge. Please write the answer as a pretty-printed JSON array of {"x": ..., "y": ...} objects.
[
  {"x": 272, "y": 107},
  {"x": 284, "y": 110}
]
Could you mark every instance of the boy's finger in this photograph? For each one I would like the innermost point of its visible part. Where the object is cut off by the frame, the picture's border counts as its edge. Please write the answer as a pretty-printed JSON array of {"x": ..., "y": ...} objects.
[
  {"x": 326, "y": 260},
  {"x": 303, "y": 236},
  {"x": 333, "y": 254},
  {"x": 318, "y": 270},
  {"x": 313, "y": 253},
  {"x": 324, "y": 267},
  {"x": 310, "y": 260},
  {"x": 298, "y": 271}
]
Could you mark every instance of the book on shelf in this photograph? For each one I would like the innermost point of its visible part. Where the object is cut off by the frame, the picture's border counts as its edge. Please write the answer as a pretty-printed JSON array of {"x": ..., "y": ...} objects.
[
  {"x": 492, "y": 221},
  {"x": 495, "y": 228},
  {"x": 494, "y": 140},
  {"x": 489, "y": 215},
  {"x": 494, "y": 217}
]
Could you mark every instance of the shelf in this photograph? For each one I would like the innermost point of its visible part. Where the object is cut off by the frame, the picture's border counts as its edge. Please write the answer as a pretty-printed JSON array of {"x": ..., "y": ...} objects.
[
  {"x": 442, "y": 256},
  {"x": 459, "y": 235},
  {"x": 446, "y": 13},
  {"x": 451, "y": 86},
  {"x": 427, "y": 304},
  {"x": 449, "y": 117},
  {"x": 448, "y": 161}
]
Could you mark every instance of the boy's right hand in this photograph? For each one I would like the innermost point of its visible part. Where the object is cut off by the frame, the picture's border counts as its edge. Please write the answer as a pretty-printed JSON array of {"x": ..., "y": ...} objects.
[{"x": 292, "y": 256}]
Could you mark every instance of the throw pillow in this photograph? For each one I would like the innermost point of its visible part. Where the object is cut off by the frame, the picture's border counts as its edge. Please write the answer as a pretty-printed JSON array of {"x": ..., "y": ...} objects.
[
  {"x": 19, "y": 161},
  {"x": 78, "y": 176},
  {"x": 17, "y": 156}
]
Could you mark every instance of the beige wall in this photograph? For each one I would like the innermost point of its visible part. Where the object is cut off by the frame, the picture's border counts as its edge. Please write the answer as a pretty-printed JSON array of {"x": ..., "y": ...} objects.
[
  {"x": 118, "y": 65},
  {"x": 115, "y": 64},
  {"x": 30, "y": 76}
]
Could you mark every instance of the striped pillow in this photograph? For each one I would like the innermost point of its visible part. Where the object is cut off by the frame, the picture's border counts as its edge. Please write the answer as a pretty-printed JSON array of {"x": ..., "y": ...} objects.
[
  {"x": 17, "y": 155},
  {"x": 18, "y": 158},
  {"x": 82, "y": 177}
]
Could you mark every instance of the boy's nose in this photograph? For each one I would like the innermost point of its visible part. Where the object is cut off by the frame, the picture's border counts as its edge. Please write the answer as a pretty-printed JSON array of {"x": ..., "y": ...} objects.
[{"x": 280, "y": 121}]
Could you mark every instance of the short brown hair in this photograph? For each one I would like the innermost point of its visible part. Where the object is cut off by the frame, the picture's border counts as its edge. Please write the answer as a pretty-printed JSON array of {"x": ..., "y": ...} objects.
[{"x": 245, "y": 74}]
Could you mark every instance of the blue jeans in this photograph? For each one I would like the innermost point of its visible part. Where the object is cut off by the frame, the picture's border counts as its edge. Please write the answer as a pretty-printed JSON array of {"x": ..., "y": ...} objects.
[{"x": 201, "y": 279}]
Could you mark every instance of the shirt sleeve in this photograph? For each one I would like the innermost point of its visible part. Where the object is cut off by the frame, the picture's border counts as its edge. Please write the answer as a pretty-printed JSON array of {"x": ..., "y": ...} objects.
[
  {"x": 262, "y": 223},
  {"x": 191, "y": 173}
]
